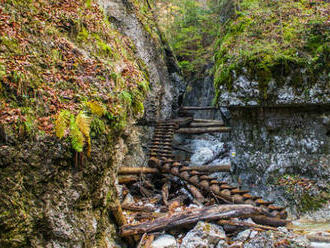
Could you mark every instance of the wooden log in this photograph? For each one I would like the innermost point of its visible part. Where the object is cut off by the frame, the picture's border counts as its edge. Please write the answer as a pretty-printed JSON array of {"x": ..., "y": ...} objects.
[
  {"x": 212, "y": 213},
  {"x": 206, "y": 124},
  {"x": 207, "y": 121},
  {"x": 245, "y": 224},
  {"x": 127, "y": 179},
  {"x": 138, "y": 208},
  {"x": 137, "y": 170},
  {"x": 208, "y": 168},
  {"x": 204, "y": 130},
  {"x": 165, "y": 192},
  {"x": 181, "y": 149},
  {"x": 275, "y": 222},
  {"x": 196, "y": 193},
  {"x": 183, "y": 121},
  {"x": 187, "y": 108}
]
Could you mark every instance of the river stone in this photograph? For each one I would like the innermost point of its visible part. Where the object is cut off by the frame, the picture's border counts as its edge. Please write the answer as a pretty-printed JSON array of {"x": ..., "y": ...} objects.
[
  {"x": 277, "y": 239},
  {"x": 204, "y": 235},
  {"x": 164, "y": 241},
  {"x": 244, "y": 235},
  {"x": 202, "y": 156}
]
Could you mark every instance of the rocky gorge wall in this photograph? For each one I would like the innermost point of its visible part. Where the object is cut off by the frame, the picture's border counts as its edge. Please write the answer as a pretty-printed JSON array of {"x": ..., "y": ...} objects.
[
  {"x": 283, "y": 152},
  {"x": 272, "y": 73},
  {"x": 165, "y": 76},
  {"x": 52, "y": 195}
]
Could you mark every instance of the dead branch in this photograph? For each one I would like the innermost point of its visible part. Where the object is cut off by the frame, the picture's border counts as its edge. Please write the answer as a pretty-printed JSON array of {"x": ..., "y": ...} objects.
[
  {"x": 211, "y": 213},
  {"x": 245, "y": 224}
]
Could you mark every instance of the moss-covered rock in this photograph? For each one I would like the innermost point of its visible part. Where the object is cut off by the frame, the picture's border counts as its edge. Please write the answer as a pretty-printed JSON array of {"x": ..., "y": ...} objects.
[{"x": 275, "y": 45}]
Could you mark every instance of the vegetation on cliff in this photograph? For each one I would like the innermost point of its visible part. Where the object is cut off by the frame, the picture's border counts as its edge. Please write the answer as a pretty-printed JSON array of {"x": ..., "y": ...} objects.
[
  {"x": 69, "y": 84},
  {"x": 190, "y": 27},
  {"x": 271, "y": 38},
  {"x": 66, "y": 56}
]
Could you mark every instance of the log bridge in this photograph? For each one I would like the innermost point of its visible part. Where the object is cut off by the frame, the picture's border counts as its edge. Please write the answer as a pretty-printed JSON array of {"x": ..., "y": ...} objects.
[{"x": 197, "y": 178}]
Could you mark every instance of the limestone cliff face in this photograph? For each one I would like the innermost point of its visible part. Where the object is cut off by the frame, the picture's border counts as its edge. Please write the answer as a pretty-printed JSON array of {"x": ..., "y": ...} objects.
[
  {"x": 278, "y": 96},
  {"x": 166, "y": 82},
  {"x": 50, "y": 194}
]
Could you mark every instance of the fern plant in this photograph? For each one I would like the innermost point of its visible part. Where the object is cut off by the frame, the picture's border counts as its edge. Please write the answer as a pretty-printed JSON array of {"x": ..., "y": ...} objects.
[
  {"x": 84, "y": 124},
  {"x": 77, "y": 137},
  {"x": 96, "y": 108},
  {"x": 77, "y": 127},
  {"x": 62, "y": 123}
]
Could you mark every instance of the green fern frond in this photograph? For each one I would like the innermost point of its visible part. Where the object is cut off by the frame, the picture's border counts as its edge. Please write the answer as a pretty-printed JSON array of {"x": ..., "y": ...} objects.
[
  {"x": 84, "y": 124},
  {"x": 96, "y": 108},
  {"x": 62, "y": 123},
  {"x": 77, "y": 137}
]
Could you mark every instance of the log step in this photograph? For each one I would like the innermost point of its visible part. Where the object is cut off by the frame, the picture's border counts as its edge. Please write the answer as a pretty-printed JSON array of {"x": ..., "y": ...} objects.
[
  {"x": 206, "y": 124},
  {"x": 188, "y": 108},
  {"x": 239, "y": 191},
  {"x": 262, "y": 202},
  {"x": 203, "y": 130}
]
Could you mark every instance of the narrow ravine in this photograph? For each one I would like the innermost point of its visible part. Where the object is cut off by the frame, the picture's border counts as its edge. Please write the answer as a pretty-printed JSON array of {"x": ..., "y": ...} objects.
[{"x": 164, "y": 123}]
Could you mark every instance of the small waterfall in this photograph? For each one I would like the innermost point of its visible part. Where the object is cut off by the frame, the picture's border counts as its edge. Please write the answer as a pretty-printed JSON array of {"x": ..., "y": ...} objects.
[{"x": 208, "y": 148}]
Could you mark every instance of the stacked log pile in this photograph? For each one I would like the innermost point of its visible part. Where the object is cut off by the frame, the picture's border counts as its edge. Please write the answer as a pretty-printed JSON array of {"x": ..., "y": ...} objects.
[{"x": 202, "y": 188}]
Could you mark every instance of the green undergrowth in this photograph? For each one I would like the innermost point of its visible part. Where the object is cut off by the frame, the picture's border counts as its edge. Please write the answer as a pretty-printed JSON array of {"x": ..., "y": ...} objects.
[
  {"x": 272, "y": 38},
  {"x": 190, "y": 27},
  {"x": 57, "y": 60}
]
